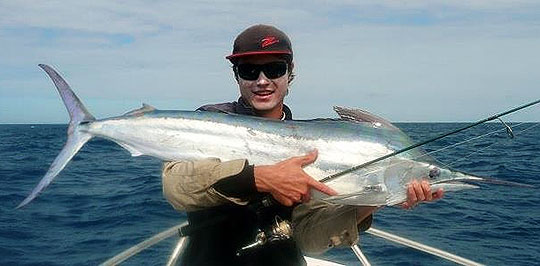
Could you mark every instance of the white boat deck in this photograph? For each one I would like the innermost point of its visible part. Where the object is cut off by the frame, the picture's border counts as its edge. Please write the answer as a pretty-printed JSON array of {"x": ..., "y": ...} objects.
[{"x": 318, "y": 262}]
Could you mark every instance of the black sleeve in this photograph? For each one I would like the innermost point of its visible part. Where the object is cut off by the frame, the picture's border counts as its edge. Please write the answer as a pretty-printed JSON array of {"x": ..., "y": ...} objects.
[{"x": 241, "y": 185}]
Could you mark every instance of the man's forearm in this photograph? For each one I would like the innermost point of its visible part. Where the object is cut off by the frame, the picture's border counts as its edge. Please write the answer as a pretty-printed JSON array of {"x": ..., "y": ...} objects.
[{"x": 189, "y": 186}]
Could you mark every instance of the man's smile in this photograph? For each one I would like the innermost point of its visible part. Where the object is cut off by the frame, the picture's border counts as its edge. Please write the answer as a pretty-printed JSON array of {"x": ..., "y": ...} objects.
[{"x": 263, "y": 93}]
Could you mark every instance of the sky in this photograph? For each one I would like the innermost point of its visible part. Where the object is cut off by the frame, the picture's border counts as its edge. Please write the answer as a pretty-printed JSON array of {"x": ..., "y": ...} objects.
[{"x": 407, "y": 61}]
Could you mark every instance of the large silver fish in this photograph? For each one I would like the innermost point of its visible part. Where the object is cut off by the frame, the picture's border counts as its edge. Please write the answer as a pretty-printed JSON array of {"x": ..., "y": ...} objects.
[{"x": 186, "y": 135}]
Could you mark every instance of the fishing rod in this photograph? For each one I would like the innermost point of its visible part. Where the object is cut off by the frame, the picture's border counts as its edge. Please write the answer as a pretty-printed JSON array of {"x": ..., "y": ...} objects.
[
  {"x": 507, "y": 128},
  {"x": 357, "y": 167}
]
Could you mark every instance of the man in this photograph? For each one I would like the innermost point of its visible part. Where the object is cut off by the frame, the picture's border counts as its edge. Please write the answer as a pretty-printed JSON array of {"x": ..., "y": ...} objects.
[{"x": 226, "y": 202}]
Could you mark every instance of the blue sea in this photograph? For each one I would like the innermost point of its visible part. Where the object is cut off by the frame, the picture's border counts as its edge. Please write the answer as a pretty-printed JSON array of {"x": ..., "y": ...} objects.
[{"x": 106, "y": 201}]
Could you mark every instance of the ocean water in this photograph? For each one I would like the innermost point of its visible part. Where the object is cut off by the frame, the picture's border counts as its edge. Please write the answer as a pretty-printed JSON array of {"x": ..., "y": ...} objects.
[{"x": 106, "y": 201}]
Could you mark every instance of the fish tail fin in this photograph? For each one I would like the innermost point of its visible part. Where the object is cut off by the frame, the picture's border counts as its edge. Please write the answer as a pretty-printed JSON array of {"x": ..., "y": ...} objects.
[
  {"x": 76, "y": 139},
  {"x": 72, "y": 146},
  {"x": 77, "y": 112}
]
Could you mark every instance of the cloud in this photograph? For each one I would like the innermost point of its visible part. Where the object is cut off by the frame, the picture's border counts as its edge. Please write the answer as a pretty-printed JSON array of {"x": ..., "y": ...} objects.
[{"x": 405, "y": 60}]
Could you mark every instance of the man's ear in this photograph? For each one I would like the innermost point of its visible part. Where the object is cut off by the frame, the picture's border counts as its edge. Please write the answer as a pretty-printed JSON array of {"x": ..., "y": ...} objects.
[
  {"x": 235, "y": 73},
  {"x": 291, "y": 73}
]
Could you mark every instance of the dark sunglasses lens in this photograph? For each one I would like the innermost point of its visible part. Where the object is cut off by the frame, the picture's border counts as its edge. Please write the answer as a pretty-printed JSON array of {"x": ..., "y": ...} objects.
[
  {"x": 271, "y": 70},
  {"x": 248, "y": 71},
  {"x": 274, "y": 70}
]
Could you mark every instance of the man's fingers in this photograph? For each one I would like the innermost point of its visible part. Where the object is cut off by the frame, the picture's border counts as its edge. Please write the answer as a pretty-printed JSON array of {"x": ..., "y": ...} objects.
[
  {"x": 322, "y": 187},
  {"x": 287, "y": 202},
  {"x": 283, "y": 200},
  {"x": 438, "y": 194},
  {"x": 307, "y": 196},
  {"x": 418, "y": 191},
  {"x": 427, "y": 190},
  {"x": 295, "y": 197},
  {"x": 411, "y": 196},
  {"x": 308, "y": 158}
]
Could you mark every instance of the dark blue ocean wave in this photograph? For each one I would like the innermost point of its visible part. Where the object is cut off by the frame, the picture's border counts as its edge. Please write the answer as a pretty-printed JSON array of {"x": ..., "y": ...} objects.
[{"x": 106, "y": 201}]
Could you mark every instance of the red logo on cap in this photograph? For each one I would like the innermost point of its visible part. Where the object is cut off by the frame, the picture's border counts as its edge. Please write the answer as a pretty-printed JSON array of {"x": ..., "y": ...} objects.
[{"x": 269, "y": 40}]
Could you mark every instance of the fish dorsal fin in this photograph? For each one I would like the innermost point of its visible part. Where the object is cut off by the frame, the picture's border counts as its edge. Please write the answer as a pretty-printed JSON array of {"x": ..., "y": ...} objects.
[
  {"x": 144, "y": 109},
  {"x": 361, "y": 116}
]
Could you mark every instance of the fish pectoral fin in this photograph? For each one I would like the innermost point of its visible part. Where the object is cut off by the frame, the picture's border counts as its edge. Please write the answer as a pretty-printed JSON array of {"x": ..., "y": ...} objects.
[
  {"x": 134, "y": 152},
  {"x": 362, "y": 198}
]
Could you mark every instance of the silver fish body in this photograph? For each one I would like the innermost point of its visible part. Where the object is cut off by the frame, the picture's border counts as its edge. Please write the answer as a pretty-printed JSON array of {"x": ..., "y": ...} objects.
[
  {"x": 186, "y": 135},
  {"x": 193, "y": 135}
]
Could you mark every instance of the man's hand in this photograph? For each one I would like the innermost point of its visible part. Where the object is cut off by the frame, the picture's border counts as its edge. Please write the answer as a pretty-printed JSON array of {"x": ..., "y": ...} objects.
[
  {"x": 287, "y": 182},
  {"x": 417, "y": 192}
]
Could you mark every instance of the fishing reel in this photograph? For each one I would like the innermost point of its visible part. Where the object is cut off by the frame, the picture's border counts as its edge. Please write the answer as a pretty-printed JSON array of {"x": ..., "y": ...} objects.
[{"x": 278, "y": 231}]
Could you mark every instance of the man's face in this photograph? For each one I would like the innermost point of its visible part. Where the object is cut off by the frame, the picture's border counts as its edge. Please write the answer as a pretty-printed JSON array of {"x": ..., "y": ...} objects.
[{"x": 265, "y": 95}]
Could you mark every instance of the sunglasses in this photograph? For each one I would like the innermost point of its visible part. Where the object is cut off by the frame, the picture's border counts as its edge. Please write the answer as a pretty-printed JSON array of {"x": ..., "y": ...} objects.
[{"x": 272, "y": 70}]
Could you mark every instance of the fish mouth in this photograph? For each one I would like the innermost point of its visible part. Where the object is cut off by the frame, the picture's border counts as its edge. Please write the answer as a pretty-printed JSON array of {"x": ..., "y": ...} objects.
[{"x": 494, "y": 181}]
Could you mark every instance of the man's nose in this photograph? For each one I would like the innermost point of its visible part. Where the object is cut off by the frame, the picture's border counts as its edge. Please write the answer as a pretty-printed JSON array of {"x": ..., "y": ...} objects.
[{"x": 262, "y": 80}]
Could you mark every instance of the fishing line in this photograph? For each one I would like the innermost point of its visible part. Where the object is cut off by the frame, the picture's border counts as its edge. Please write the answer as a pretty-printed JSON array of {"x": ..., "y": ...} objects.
[
  {"x": 347, "y": 209},
  {"x": 435, "y": 151},
  {"x": 461, "y": 143},
  {"x": 496, "y": 142},
  {"x": 481, "y": 149},
  {"x": 454, "y": 145},
  {"x": 531, "y": 127},
  {"x": 473, "y": 139},
  {"x": 357, "y": 167},
  {"x": 466, "y": 141}
]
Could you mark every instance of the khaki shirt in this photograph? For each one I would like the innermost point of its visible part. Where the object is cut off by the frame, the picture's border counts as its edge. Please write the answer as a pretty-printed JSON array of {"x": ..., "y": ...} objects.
[{"x": 317, "y": 225}]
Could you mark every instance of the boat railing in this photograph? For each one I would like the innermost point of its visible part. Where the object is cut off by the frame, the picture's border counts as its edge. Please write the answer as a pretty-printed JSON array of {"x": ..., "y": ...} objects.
[{"x": 182, "y": 242}]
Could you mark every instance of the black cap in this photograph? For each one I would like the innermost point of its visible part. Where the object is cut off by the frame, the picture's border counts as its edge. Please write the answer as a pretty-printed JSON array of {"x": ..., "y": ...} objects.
[{"x": 261, "y": 39}]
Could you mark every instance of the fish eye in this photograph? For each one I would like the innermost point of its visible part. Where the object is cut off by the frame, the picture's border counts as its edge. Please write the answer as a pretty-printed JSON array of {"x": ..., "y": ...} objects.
[{"x": 434, "y": 172}]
